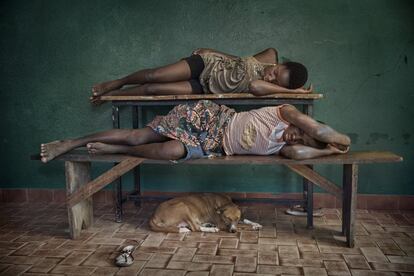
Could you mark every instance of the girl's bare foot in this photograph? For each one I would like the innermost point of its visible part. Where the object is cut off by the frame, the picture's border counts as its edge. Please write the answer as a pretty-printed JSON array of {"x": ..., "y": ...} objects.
[
  {"x": 53, "y": 149},
  {"x": 95, "y": 101},
  {"x": 102, "y": 148},
  {"x": 104, "y": 87}
]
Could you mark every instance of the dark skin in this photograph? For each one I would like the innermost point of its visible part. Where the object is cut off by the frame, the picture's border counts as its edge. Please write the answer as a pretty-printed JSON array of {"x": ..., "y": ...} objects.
[
  {"x": 173, "y": 79},
  {"x": 305, "y": 138}
]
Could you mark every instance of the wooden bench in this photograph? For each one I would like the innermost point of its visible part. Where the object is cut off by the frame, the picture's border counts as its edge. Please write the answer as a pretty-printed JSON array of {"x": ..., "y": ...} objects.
[
  {"x": 136, "y": 103},
  {"x": 80, "y": 187}
]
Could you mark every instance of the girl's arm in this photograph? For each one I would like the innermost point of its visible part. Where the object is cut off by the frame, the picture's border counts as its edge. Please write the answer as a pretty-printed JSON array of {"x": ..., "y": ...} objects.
[
  {"x": 207, "y": 50},
  {"x": 316, "y": 130},
  {"x": 268, "y": 55},
  {"x": 262, "y": 88},
  {"x": 299, "y": 152}
]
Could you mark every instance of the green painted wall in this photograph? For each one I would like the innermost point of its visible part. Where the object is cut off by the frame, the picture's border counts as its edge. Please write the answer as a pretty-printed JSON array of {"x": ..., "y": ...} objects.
[{"x": 360, "y": 55}]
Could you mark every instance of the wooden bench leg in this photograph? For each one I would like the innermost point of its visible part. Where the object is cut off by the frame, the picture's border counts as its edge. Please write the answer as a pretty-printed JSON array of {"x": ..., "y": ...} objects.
[
  {"x": 80, "y": 215},
  {"x": 350, "y": 186},
  {"x": 344, "y": 203}
]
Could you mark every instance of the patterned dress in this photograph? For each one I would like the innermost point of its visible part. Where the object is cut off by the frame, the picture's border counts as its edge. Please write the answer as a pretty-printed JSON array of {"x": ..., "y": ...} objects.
[{"x": 199, "y": 126}]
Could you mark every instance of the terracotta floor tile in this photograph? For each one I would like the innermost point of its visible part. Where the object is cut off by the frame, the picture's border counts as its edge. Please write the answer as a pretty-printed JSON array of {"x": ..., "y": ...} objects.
[{"x": 33, "y": 243}]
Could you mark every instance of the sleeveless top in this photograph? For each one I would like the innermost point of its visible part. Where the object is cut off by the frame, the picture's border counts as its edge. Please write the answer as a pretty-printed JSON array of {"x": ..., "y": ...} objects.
[
  {"x": 227, "y": 75},
  {"x": 257, "y": 131}
]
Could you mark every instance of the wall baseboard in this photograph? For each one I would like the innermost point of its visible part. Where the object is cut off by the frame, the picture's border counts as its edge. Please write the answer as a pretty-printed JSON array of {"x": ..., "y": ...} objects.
[{"x": 321, "y": 200}]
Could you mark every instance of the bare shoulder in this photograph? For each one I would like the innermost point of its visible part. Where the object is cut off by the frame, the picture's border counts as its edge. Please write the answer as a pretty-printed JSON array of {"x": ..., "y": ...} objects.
[
  {"x": 288, "y": 110},
  {"x": 268, "y": 55}
]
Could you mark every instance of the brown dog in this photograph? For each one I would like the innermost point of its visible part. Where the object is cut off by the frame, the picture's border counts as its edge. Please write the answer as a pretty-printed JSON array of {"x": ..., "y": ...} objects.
[{"x": 200, "y": 212}]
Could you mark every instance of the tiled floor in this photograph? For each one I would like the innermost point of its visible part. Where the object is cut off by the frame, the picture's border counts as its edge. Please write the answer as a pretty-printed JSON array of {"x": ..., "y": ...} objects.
[{"x": 34, "y": 241}]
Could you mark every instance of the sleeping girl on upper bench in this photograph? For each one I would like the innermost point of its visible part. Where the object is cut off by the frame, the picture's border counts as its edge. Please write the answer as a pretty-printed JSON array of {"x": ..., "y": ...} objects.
[
  {"x": 211, "y": 71},
  {"x": 205, "y": 129}
]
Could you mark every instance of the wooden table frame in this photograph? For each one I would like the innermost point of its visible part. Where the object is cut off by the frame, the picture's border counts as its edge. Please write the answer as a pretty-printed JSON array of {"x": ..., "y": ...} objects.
[
  {"x": 137, "y": 102},
  {"x": 80, "y": 187}
]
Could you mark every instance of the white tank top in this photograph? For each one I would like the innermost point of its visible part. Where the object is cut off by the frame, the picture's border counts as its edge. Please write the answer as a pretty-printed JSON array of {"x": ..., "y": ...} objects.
[{"x": 257, "y": 131}]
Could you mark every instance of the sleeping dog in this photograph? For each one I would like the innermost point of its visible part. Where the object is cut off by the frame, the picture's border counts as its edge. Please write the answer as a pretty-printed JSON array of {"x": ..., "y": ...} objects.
[{"x": 199, "y": 212}]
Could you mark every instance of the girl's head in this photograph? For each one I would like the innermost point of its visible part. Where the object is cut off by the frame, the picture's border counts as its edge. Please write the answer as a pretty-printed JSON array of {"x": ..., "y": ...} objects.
[{"x": 291, "y": 75}]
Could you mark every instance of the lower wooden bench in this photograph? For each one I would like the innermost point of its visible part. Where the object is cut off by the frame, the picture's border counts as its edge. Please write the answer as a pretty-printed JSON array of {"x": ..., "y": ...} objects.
[{"x": 80, "y": 187}]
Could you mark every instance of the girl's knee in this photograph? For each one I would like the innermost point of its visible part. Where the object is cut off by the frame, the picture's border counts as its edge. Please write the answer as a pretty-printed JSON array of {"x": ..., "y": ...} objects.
[
  {"x": 151, "y": 88},
  {"x": 135, "y": 137},
  {"x": 153, "y": 75},
  {"x": 150, "y": 75},
  {"x": 173, "y": 150}
]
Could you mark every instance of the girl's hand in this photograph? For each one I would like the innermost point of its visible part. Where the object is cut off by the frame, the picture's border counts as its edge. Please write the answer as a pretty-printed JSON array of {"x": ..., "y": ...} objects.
[
  {"x": 336, "y": 148},
  {"x": 304, "y": 90},
  {"x": 200, "y": 51},
  {"x": 197, "y": 51}
]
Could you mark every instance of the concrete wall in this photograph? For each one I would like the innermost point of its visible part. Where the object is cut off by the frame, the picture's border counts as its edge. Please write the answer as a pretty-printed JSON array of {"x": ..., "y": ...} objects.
[{"x": 359, "y": 55}]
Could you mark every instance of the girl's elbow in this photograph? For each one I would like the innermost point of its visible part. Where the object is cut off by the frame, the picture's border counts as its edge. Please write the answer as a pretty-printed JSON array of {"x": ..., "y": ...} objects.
[
  {"x": 255, "y": 89},
  {"x": 294, "y": 154}
]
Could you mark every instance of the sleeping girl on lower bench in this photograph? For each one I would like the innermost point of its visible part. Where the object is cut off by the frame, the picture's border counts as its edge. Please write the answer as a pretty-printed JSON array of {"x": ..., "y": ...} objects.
[{"x": 205, "y": 129}]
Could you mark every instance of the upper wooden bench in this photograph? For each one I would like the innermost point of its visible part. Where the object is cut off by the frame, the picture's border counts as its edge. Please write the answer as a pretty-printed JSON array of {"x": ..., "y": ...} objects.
[
  {"x": 229, "y": 98},
  {"x": 302, "y": 96}
]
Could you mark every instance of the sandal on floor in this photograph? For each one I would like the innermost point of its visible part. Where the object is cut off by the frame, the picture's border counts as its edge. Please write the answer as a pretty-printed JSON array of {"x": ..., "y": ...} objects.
[
  {"x": 301, "y": 212},
  {"x": 125, "y": 258}
]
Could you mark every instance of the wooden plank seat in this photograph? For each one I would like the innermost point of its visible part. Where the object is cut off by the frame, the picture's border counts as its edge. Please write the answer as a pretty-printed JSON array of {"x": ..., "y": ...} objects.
[
  {"x": 80, "y": 187},
  {"x": 299, "y": 96}
]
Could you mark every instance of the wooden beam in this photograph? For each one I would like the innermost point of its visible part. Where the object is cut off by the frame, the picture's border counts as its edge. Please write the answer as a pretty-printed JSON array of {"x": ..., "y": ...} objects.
[
  {"x": 316, "y": 179},
  {"x": 311, "y": 96},
  {"x": 103, "y": 180}
]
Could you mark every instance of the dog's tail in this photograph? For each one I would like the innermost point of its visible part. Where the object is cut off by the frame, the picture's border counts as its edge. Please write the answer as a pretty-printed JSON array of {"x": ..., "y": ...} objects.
[
  {"x": 153, "y": 223},
  {"x": 158, "y": 226}
]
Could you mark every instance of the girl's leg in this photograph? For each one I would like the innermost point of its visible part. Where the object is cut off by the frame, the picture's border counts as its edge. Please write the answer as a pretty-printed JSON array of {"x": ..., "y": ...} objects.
[
  {"x": 131, "y": 137},
  {"x": 169, "y": 150},
  {"x": 178, "y": 71},
  {"x": 171, "y": 88}
]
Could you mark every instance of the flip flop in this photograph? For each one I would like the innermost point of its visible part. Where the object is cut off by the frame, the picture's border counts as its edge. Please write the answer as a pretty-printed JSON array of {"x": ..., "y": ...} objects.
[
  {"x": 125, "y": 258},
  {"x": 301, "y": 212}
]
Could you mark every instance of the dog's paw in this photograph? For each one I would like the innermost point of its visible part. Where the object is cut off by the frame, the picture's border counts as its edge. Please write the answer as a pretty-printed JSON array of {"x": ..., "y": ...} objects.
[
  {"x": 256, "y": 226},
  {"x": 209, "y": 229},
  {"x": 184, "y": 230},
  {"x": 208, "y": 224}
]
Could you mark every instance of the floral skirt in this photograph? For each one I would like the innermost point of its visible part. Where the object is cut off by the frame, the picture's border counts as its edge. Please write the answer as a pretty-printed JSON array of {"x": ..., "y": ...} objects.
[{"x": 199, "y": 126}]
